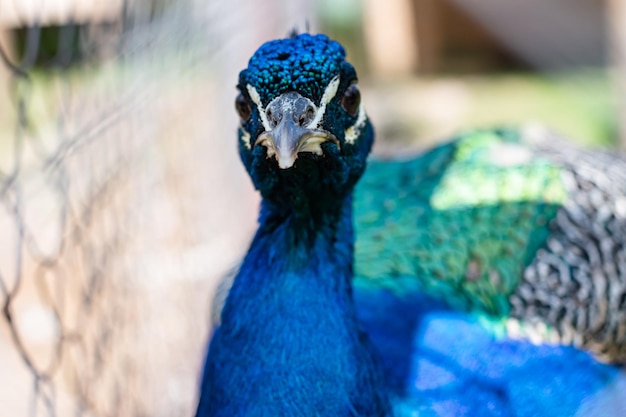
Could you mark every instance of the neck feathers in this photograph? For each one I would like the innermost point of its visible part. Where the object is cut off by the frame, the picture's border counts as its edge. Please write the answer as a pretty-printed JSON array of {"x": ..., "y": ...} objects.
[
  {"x": 312, "y": 230},
  {"x": 293, "y": 255},
  {"x": 289, "y": 339}
]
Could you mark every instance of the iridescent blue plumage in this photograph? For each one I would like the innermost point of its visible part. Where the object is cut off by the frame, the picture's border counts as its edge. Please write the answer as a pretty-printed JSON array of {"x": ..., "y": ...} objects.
[
  {"x": 447, "y": 246},
  {"x": 304, "y": 63}
]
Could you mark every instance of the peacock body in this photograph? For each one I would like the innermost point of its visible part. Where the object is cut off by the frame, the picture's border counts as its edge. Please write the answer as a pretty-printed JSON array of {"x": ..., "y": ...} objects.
[
  {"x": 517, "y": 224},
  {"x": 487, "y": 278}
]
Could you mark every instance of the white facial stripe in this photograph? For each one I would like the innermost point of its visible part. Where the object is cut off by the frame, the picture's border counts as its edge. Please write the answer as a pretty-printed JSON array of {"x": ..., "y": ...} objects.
[
  {"x": 254, "y": 95},
  {"x": 330, "y": 91},
  {"x": 328, "y": 95},
  {"x": 245, "y": 138},
  {"x": 353, "y": 132}
]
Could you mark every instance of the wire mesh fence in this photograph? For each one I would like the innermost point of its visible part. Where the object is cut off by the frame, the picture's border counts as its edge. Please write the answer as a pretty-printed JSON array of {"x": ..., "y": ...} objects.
[{"x": 121, "y": 202}]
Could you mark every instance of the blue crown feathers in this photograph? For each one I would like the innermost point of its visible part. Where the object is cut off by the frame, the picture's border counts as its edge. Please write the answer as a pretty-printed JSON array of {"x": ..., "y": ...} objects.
[{"x": 304, "y": 63}]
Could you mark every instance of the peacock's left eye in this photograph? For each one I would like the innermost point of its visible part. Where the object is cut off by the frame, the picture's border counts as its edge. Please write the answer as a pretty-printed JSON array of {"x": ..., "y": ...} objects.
[
  {"x": 351, "y": 100},
  {"x": 243, "y": 107}
]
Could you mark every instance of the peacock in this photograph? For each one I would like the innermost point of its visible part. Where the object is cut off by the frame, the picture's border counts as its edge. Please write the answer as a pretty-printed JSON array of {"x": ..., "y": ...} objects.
[{"x": 484, "y": 277}]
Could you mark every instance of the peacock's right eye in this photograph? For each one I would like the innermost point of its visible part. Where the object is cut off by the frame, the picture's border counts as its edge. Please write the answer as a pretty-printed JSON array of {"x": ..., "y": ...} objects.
[
  {"x": 351, "y": 100},
  {"x": 243, "y": 107}
]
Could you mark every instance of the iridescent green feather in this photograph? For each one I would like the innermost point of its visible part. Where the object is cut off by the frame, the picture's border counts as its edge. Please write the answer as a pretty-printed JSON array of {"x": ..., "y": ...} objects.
[{"x": 459, "y": 223}]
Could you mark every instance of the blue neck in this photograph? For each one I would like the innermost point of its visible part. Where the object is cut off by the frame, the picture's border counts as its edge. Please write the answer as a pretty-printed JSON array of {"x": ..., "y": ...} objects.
[{"x": 289, "y": 342}]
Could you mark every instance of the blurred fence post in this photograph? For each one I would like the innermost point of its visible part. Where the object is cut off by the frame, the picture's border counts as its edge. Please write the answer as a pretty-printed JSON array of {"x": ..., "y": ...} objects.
[
  {"x": 429, "y": 34},
  {"x": 616, "y": 14},
  {"x": 391, "y": 36}
]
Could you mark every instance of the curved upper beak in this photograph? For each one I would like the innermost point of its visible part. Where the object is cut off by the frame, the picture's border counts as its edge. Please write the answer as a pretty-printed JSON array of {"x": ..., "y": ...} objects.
[{"x": 291, "y": 118}]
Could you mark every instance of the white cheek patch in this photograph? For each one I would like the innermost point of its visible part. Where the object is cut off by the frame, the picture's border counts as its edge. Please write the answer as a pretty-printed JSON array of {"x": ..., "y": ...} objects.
[
  {"x": 329, "y": 94},
  {"x": 254, "y": 95},
  {"x": 353, "y": 132},
  {"x": 245, "y": 138}
]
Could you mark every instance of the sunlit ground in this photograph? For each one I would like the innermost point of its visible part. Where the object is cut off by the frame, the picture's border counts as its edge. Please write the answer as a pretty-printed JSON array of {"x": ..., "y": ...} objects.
[{"x": 577, "y": 104}]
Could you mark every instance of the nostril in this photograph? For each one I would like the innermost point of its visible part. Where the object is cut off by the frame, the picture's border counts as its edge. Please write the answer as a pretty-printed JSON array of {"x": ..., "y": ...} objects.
[
  {"x": 271, "y": 118},
  {"x": 307, "y": 116}
]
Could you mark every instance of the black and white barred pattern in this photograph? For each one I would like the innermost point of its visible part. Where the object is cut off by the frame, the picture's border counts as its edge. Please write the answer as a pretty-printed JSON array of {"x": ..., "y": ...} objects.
[{"x": 576, "y": 285}]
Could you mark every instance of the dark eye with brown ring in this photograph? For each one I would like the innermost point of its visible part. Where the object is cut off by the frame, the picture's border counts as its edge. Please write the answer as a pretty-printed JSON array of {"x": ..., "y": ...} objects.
[
  {"x": 351, "y": 100},
  {"x": 243, "y": 107}
]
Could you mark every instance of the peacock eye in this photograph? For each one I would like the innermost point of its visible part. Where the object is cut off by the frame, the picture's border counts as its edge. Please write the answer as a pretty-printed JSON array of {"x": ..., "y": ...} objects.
[
  {"x": 243, "y": 107},
  {"x": 351, "y": 100}
]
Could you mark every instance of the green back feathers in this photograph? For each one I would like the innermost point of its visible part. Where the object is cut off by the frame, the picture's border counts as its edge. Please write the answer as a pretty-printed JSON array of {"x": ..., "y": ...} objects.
[{"x": 459, "y": 223}]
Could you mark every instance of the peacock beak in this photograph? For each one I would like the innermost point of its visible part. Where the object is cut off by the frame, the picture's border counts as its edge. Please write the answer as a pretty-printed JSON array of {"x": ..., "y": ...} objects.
[
  {"x": 292, "y": 120},
  {"x": 288, "y": 140}
]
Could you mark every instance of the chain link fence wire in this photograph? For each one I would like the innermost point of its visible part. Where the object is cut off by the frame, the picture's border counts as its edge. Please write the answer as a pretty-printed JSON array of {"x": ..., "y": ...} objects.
[{"x": 121, "y": 202}]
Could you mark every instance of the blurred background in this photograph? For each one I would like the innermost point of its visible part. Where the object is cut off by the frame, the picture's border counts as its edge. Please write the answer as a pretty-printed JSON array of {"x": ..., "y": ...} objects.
[{"x": 122, "y": 200}]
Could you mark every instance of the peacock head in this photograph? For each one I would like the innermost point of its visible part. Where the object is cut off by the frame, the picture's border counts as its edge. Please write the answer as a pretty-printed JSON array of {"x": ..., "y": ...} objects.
[{"x": 303, "y": 133}]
